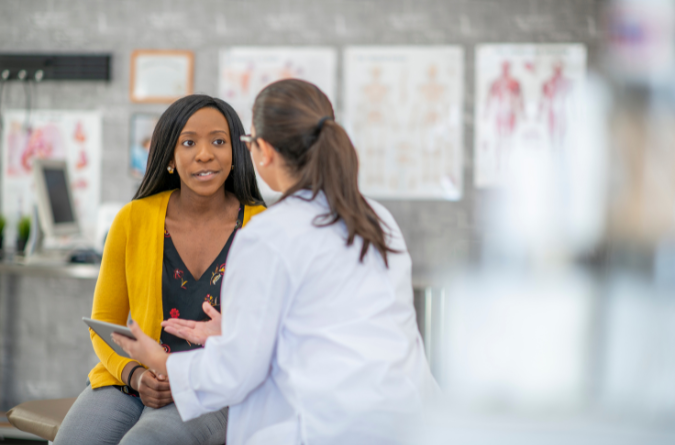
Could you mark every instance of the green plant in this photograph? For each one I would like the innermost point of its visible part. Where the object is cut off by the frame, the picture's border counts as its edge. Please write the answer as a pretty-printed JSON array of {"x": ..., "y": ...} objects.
[
  {"x": 2, "y": 224},
  {"x": 24, "y": 227}
]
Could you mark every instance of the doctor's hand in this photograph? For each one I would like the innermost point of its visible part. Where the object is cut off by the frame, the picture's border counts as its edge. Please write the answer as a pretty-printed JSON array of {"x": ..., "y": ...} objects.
[
  {"x": 195, "y": 331},
  {"x": 144, "y": 349}
]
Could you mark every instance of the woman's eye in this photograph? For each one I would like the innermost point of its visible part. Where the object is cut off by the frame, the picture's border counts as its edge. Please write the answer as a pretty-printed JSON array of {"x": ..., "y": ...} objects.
[
  {"x": 188, "y": 143},
  {"x": 219, "y": 142}
]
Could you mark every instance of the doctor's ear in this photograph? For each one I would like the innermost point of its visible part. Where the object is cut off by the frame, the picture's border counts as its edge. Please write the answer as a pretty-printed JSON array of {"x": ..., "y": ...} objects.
[{"x": 268, "y": 153}]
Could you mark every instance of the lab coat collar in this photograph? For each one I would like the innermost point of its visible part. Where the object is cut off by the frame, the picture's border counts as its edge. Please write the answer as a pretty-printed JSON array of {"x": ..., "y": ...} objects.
[{"x": 306, "y": 195}]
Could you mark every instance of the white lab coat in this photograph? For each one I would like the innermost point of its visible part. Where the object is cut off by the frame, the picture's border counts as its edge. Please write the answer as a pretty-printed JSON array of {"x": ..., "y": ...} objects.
[{"x": 316, "y": 347}]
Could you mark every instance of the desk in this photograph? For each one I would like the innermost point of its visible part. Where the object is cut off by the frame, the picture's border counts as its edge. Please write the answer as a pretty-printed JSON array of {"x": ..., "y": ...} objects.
[
  {"x": 81, "y": 271},
  {"x": 45, "y": 350}
]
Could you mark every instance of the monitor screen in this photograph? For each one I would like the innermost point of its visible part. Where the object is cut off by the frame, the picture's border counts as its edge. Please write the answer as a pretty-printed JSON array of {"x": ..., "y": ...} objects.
[{"x": 59, "y": 198}]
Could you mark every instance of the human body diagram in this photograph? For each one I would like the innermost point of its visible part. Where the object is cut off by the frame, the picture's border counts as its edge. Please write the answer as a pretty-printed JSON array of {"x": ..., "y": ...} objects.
[
  {"x": 553, "y": 105},
  {"x": 530, "y": 109},
  {"x": 432, "y": 120},
  {"x": 504, "y": 107},
  {"x": 245, "y": 82},
  {"x": 72, "y": 136},
  {"x": 405, "y": 138},
  {"x": 403, "y": 106},
  {"x": 376, "y": 111}
]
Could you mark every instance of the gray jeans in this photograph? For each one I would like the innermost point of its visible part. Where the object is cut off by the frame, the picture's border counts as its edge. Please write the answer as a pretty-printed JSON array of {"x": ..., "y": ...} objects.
[{"x": 107, "y": 416}]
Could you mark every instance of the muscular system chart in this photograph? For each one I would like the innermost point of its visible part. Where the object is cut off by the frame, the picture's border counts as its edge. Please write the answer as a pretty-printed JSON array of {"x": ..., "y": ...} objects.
[{"x": 527, "y": 100}]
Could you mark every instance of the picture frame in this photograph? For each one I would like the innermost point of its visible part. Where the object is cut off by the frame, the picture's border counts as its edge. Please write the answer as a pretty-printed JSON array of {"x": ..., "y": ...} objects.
[
  {"x": 141, "y": 129},
  {"x": 160, "y": 76}
]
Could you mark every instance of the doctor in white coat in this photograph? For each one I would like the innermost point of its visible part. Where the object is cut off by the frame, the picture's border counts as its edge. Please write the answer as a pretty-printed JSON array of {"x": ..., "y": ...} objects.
[{"x": 318, "y": 342}]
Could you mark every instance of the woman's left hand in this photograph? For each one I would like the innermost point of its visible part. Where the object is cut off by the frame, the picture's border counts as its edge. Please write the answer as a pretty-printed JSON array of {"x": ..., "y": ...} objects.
[{"x": 144, "y": 349}]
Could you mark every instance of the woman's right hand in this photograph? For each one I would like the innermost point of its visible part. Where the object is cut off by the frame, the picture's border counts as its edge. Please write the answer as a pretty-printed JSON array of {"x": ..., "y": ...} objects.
[
  {"x": 195, "y": 331},
  {"x": 154, "y": 392}
]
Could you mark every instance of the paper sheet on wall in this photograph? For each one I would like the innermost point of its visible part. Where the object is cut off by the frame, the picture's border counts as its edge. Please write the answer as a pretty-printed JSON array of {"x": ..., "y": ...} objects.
[
  {"x": 527, "y": 100},
  {"x": 403, "y": 110},
  {"x": 74, "y": 136},
  {"x": 244, "y": 71}
]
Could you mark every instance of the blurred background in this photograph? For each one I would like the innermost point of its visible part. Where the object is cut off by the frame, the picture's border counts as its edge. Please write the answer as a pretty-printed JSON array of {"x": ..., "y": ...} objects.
[{"x": 526, "y": 148}]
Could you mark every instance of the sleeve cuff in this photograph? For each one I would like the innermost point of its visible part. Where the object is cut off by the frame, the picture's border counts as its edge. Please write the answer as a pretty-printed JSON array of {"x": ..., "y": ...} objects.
[{"x": 178, "y": 369}]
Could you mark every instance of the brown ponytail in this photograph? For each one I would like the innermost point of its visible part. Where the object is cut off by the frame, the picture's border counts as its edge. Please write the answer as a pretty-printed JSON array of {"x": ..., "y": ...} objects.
[{"x": 297, "y": 119}]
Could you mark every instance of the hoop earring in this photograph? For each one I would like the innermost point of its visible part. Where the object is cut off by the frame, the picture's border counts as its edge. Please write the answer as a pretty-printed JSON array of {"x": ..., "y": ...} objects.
[
  {"x": 232, "y": 167},
  {"x": 170, "y": 169}
]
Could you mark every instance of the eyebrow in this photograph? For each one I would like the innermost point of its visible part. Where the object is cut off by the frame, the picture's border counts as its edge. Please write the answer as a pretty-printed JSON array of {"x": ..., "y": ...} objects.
[{"x": 194, "y": 132}]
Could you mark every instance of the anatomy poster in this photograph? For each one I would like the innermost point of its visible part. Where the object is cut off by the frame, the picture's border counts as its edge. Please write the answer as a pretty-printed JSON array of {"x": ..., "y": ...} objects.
[
  {"x": 74, "y": 136},
  {"x": 403, "y": 110},
  {"x": 244, "y": 71},
  {"x": 527, "y": 99}
]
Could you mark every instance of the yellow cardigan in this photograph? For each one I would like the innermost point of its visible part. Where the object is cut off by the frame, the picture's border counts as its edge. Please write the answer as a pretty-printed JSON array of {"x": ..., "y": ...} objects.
[{"x": 130, "y": 280}]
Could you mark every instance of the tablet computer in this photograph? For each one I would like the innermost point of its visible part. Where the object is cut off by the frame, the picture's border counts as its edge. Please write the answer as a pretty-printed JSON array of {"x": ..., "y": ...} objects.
[{"x": 104, "y": 330}]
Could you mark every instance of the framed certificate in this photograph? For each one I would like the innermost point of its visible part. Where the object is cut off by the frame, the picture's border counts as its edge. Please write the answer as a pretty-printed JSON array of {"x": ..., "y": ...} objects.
[{"x": 160, "y": 76}]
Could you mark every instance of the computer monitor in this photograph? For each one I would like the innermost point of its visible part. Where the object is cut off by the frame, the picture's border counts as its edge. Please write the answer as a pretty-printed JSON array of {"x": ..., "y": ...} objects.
[{"x": 54, "y": 198}]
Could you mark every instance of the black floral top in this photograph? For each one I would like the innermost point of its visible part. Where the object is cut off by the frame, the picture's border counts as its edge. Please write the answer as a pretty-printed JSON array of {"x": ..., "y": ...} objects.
[{"x": 183, "y": 296}]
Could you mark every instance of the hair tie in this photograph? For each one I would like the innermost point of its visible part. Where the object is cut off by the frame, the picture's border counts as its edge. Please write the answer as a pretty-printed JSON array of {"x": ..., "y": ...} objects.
[{"x": 319, "y": 126}]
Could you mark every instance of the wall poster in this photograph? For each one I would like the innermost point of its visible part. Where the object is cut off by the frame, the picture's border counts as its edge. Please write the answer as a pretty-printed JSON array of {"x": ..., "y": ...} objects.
[
  {"x": 142, "y": 126},
  {"x": 244, "y": 71},
  {"x": 74, "y": 136},
  {"x": 527, "y": 99},
  {"x": 403, "y": 110}
]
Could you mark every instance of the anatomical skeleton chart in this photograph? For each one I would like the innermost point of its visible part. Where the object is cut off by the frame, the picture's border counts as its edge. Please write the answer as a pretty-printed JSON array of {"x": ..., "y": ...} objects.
[{"x": 403, "y": 109}]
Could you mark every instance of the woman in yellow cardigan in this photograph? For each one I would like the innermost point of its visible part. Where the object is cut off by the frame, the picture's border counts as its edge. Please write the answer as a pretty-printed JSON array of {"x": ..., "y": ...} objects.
[{"x": 165, "y": 256}]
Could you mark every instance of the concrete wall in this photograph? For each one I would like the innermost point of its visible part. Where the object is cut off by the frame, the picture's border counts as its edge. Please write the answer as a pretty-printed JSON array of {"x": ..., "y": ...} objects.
[{"x": 439, "y": 234}]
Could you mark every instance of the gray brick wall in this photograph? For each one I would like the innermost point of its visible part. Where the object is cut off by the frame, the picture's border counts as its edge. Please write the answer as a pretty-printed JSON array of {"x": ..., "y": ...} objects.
[{"x": 440, "y": 235}]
